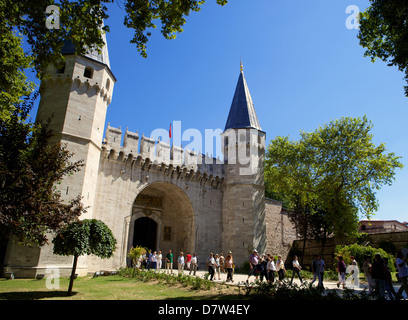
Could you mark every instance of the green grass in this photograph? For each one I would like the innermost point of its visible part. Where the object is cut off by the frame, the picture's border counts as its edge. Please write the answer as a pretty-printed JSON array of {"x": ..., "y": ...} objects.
[{"x": 108, "y": 288}]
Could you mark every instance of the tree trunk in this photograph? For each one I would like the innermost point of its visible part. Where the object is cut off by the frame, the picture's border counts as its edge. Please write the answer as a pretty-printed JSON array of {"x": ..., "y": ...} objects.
[
  {"x": 304, "y": 239},
  {"x": 323, "y": 241},
  {"x": 71, "y": 280}
]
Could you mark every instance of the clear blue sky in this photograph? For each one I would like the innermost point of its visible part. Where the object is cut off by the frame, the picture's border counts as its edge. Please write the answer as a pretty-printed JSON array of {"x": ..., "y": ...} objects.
[{"x": 303, "y": 67}]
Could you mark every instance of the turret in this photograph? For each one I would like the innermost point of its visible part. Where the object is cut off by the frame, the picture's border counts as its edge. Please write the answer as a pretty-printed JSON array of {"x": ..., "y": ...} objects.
[{"x": 244, "y": 153}]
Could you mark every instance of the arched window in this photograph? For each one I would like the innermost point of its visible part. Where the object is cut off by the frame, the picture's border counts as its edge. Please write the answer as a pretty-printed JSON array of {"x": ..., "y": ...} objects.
[
  {"x": 88, "y": 73},
  {"x": 107, "y": 84}
]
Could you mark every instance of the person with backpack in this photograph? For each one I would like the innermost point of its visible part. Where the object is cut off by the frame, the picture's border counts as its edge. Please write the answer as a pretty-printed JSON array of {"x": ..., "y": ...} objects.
[{"x": 341, "y": 269}]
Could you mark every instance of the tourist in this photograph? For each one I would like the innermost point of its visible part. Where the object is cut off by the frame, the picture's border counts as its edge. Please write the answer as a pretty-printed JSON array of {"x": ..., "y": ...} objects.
[
  {"x": 169, "y": 262},
  {"x": 341, "y": 270},
  {"x": 211, "y": 265},
  {"x": 271, "y": 269},
  {"x": 402, "y": 267},
  {"x": 228, "y": 266},
  {"x": 154, "y": 260},
  {"x": 322, "y": 265},
  {"x": 367, "y": 268},
  {"x": 188, "y": 261},
  {"x": 159, "y": 260},
  {"x": 222, "y": 262},
  {"x": 149, "y": 259},
  {"x": 233, "y": 265},
  {"x": 217, "y": 266},
  {"x": 378, "y": 275},
  {"x": 180, "y": 263},
  {"x": 280, "y": 268},
  {"x": 388, "y": 281},
  {"x": 354, "y": 271},
  {"x": 144, "y": 262},
  {"x": 253, "y": 265},
  {"x": 315, "y": 269},
  {"x": 296, "y": 269},
  {"x": 194, "y": 264},
  {"x": 263, "y": 271}
]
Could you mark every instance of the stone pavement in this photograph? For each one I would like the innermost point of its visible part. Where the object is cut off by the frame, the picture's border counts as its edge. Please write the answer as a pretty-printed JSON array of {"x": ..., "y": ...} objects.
[{"x": 240, "y": 279}]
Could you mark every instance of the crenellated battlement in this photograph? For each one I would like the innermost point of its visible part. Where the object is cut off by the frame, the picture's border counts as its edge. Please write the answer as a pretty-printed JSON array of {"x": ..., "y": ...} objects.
[
  {"x": 158, "y": 155},
  {"x": 79, "y": 83}
]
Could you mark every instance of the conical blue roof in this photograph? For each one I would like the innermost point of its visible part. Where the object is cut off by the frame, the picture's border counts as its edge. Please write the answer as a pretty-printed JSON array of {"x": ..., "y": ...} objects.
[
  {"x": 93, "y": 54},
  {"x": 242, "y": 112}
]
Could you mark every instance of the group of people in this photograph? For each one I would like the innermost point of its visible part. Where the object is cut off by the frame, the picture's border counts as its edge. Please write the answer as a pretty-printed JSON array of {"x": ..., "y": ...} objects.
[
  {"x": 268, "y": 267},
  {"x": 217, "y": 263},
  {"x": 156, "y": 260},
  {"x": 378, "y": 276}
]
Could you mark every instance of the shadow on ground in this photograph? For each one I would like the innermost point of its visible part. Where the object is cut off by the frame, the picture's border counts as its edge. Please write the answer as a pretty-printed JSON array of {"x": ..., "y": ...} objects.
[{"x": 33, "y": 295}]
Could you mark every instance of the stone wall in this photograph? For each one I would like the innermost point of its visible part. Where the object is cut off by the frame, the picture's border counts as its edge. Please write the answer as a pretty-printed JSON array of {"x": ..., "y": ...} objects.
[
  {"x": 280, "y": 231},
  {"x": 313, "y": 247}
]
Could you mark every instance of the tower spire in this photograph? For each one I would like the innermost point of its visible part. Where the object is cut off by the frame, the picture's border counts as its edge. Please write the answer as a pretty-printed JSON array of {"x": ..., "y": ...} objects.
[
  {"x": 242, "y": 112},
  {"x": 241, "y": 68}
]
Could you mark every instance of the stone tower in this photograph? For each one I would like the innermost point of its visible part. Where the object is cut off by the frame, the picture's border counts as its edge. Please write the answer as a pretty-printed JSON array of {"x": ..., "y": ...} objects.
[
  {"x": 244, "y": 196},
  {"x": 75, "y": 98}
]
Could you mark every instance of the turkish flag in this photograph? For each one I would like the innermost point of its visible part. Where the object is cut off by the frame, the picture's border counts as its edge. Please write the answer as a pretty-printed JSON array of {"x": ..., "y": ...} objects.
[{"x": 170, "y": 131}]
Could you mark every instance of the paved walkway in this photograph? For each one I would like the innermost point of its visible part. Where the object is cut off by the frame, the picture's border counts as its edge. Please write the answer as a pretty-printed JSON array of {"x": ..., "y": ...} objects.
[{"x": 240, "y": 279}]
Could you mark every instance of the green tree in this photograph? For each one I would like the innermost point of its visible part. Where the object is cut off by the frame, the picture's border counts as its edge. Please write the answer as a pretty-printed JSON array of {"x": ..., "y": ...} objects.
[
  {"x": 30, "y": 169},
  {"x": 359, "y": 252},
  {"x": 384, "y": 33},
  {"x": 337, "y": 169},
  {"x": 82, "y": 22},
  {"x": 135, "y": 253},
  {"x": 86, "y": 237}
]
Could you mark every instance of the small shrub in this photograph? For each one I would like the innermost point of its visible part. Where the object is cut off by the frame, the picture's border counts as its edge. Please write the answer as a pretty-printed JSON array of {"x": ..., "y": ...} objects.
[
  {"x": 195, "y": 283},
  {"x": 287, "y": 291},
  {"x": 360, "y": 252}
]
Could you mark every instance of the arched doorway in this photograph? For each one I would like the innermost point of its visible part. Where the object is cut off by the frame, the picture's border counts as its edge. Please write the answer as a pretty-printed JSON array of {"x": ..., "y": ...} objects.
[
  {"x": 166, "y": 208},
  {"x": 145, "y": 233}
]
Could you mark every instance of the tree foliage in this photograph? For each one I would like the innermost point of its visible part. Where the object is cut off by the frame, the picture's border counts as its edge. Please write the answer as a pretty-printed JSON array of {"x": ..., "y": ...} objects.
[
  {"x": 360, "y": 252},
  {"x": 384, "y": 33},
  {"x": 30, "y": 168},
  {"x": 85, "y": 237},
  {"x": 83, "y": 22},
  {"x": 336, "y": 169}
]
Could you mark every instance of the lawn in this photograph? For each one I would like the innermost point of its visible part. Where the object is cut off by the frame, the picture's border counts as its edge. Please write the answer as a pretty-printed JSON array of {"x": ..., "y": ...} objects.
[{"x": 109, "y": 288}]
